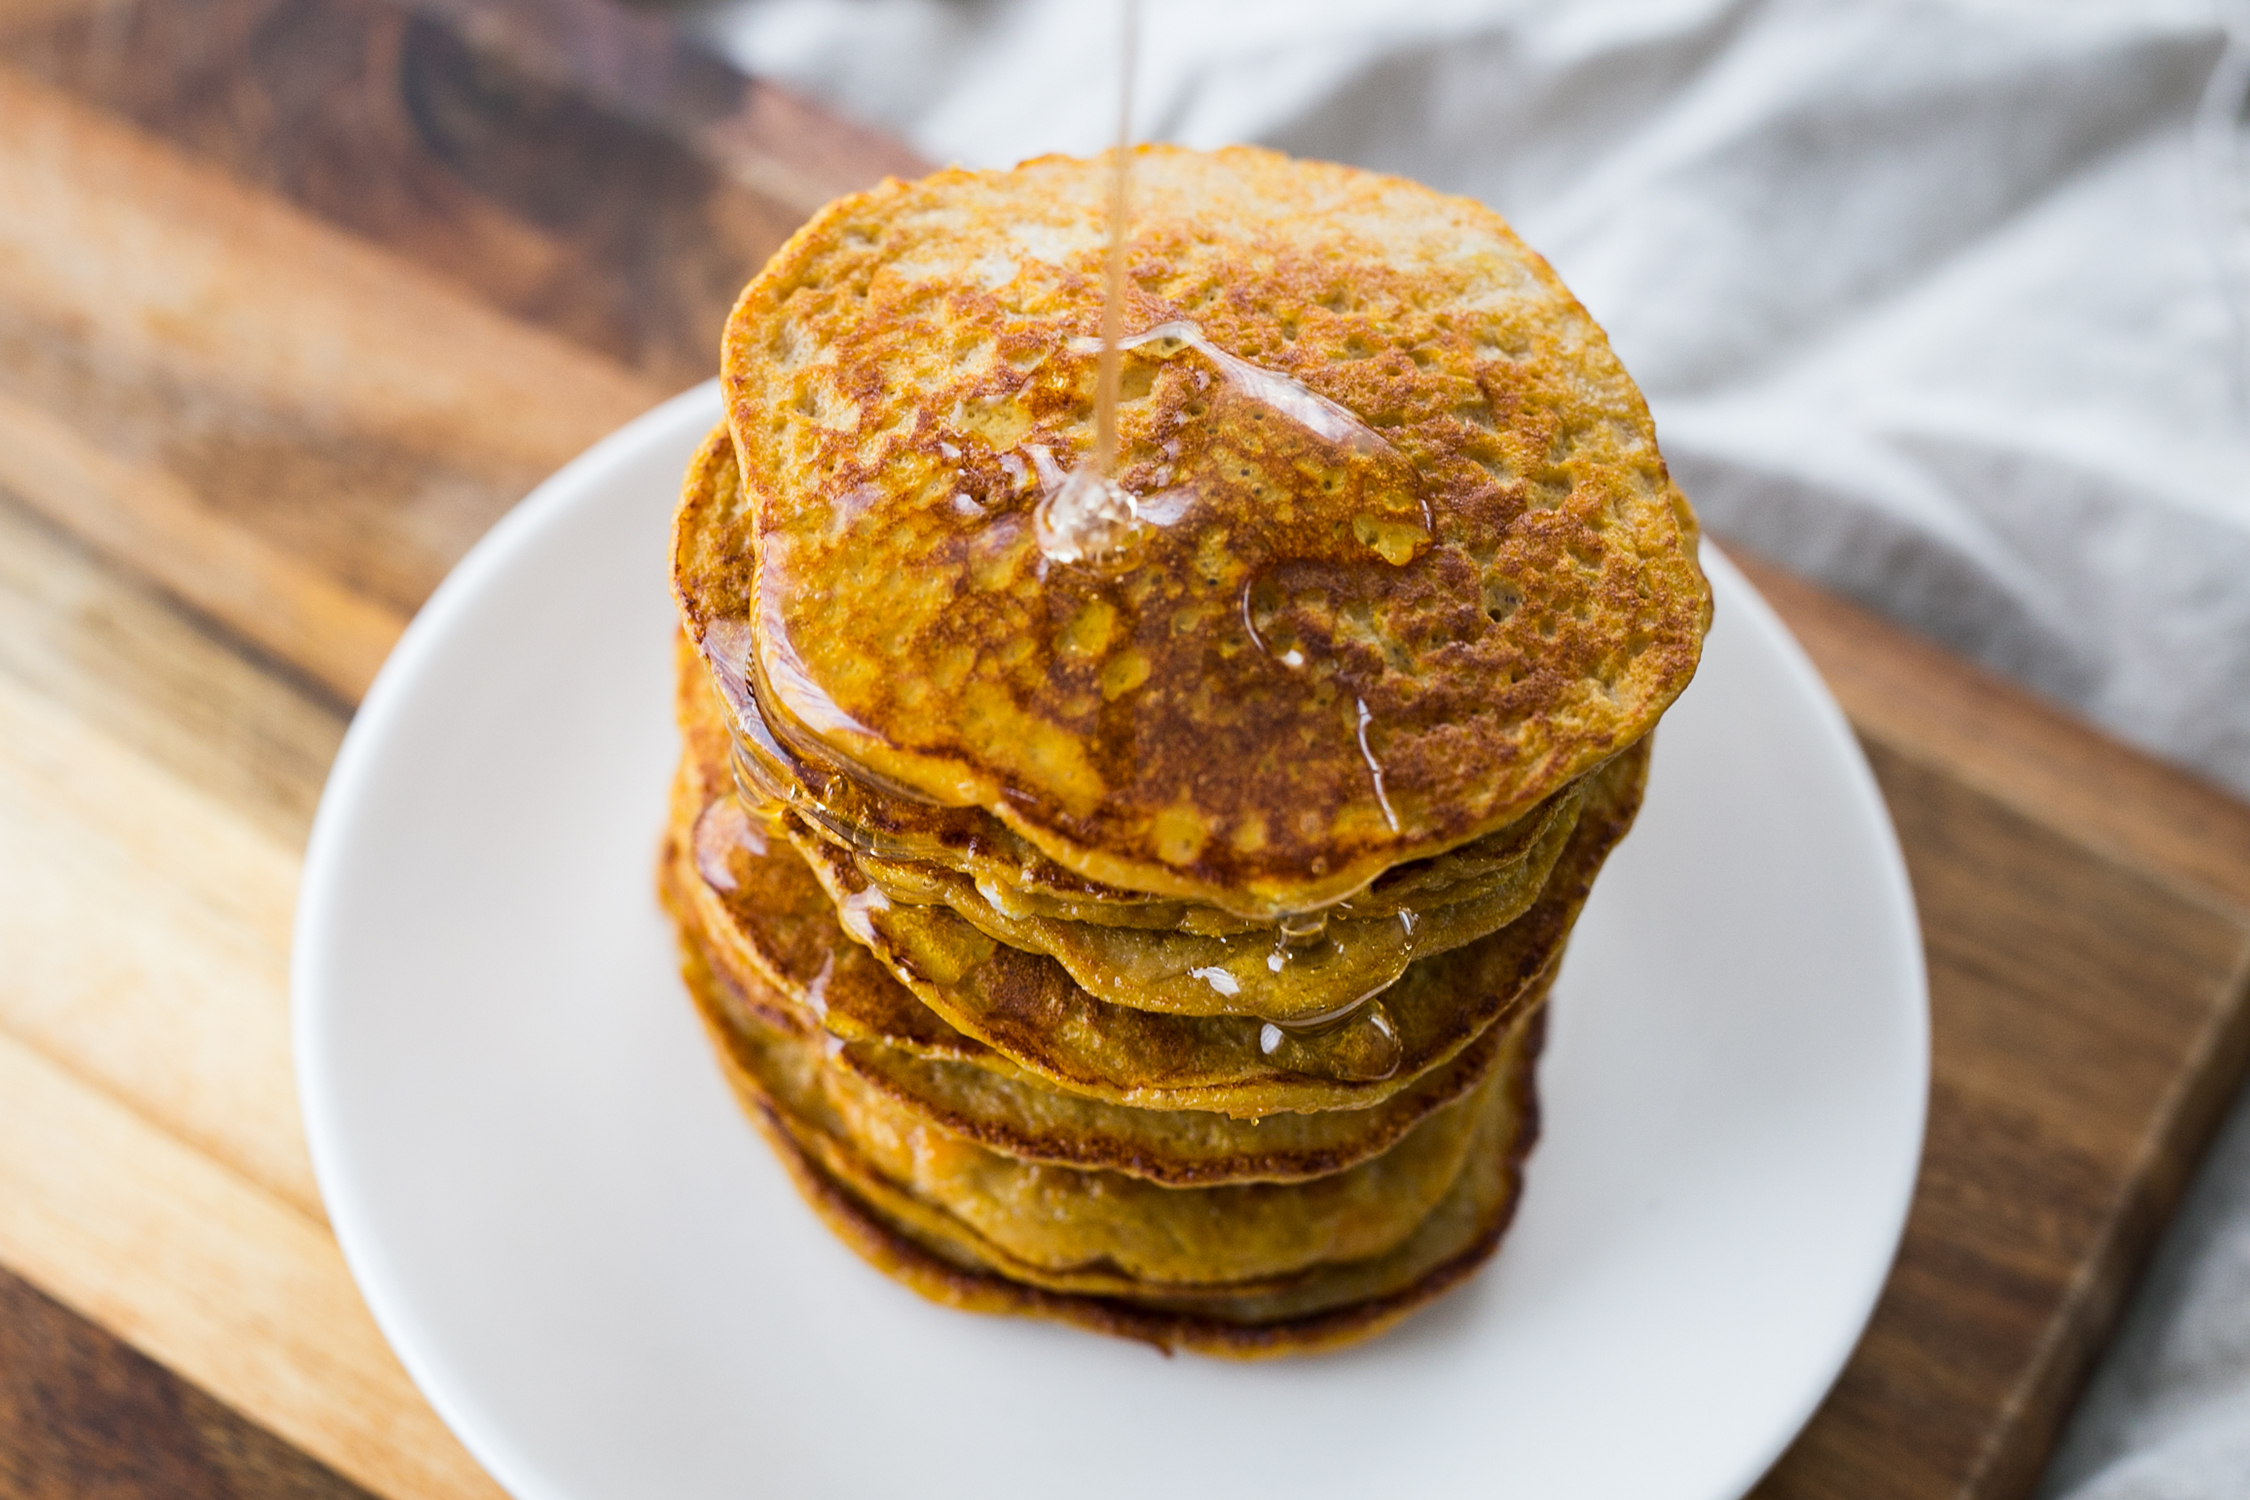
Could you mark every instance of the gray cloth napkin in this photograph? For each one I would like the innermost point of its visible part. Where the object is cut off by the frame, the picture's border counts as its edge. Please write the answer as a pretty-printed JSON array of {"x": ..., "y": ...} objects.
[{"x": 1946, "y": 304}]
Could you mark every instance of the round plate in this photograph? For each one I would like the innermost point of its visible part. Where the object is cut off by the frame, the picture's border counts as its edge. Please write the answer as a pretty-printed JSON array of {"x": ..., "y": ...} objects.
[{"x": 603, "y": 1281}]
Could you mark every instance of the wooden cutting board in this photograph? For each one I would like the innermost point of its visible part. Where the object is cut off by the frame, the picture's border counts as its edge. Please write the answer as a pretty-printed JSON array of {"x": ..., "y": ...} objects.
[{"x": 296, "y": 296}]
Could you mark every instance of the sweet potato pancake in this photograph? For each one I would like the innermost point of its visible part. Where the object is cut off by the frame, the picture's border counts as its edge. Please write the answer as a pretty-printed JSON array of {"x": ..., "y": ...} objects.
[
  {"x": 1324, "y": 1305},
  {"x": 1331, "y": 659},
  {"x": 1128, "y": 892}
]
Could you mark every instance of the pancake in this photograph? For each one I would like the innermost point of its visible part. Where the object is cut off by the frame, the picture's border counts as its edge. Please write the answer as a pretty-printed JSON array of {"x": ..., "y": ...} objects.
[
  {"x": 1322, "y": 1307},
  {"x": 1070, "y": 1229},
  {"x": 1130, "y": 895},
  {"x": 1183, "y": 1148},
  {"x": 1262, "y": 973},
  {"x": 1416, "y": 567},
  {"x": 987, "y": 1102},
  {"x": 1025, "y": 1008},
  {"x": 892, "y": 836}
]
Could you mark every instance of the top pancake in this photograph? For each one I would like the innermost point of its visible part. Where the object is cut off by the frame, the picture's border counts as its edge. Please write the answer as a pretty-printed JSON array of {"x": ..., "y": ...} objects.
[{"x": 1328, "y": 647}]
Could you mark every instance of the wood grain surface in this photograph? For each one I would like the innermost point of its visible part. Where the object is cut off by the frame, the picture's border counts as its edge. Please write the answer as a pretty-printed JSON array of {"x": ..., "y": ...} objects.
[
  {"x": 2086, "y": 916},
  {"x": 85, "y": 1417},
  {"x": 296, "y": 296}
]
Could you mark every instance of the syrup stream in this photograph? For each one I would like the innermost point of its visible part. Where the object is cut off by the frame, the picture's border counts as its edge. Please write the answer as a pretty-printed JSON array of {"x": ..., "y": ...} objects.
[{"x": 1109, "y": 374}]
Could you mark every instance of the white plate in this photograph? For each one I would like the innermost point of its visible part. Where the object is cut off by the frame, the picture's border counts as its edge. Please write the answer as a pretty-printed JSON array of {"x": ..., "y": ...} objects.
[{"x": 606, "y": 1286}]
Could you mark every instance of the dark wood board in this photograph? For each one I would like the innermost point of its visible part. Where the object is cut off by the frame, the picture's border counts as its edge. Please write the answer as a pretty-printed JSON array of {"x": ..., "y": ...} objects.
[
  {"x": 523, "y": 221},
  {"x": 2086, "y": 916},
  {"x": 83, "y": 1416}
]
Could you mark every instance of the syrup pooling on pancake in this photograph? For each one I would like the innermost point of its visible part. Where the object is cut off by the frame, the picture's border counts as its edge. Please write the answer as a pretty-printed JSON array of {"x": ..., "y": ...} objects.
[{"x": 1203, "y": 479}]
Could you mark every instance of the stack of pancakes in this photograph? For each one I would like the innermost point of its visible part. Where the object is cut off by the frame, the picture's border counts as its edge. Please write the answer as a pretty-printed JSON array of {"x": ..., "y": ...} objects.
[{"x": 1146, "y": 923}]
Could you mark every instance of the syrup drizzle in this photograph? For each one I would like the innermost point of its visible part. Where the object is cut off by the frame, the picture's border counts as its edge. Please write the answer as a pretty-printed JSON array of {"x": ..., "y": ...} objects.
[
  {"x": 1109, "y": 375},
  {"x": 1361, "y": 1045},
  {"x": 1286, "y": 394},
  {"x": 1374, "y": 768},
  {"x": 1086, "y": 516},
  {"x": 723, "y": 827}
]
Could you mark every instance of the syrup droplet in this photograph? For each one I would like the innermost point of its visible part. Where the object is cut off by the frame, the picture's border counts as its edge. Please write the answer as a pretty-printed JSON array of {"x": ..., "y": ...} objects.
[
  {"x": 1359, "y": 1046},
  {"x": 1085, "y": 517},
  {"x": 816, "y": 989},
  {"x": 723, "y": 828},
  {"x": 1301, "y": 937}
]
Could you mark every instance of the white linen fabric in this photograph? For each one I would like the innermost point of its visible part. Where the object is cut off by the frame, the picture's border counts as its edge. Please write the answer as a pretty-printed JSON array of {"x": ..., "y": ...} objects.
[{"x": 1945, "y": 303}]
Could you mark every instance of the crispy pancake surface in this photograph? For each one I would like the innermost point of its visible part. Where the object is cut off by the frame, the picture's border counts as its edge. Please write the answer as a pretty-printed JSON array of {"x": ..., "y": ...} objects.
[{"x": 1406, "y": 560}]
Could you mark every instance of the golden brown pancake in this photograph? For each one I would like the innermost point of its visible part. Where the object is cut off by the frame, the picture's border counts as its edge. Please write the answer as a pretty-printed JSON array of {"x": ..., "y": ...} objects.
[
  {"x": 1257, "y": 973},
  {"x": 891, "y": 835},
  {"x": 1027, "y": 1009},
  {"x": 1321, "y": 1307},
  {"x": 1339, "y": 648},
  {"x": 1072, "y": 1229},
  {"x": 995, "y": 1105}
]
